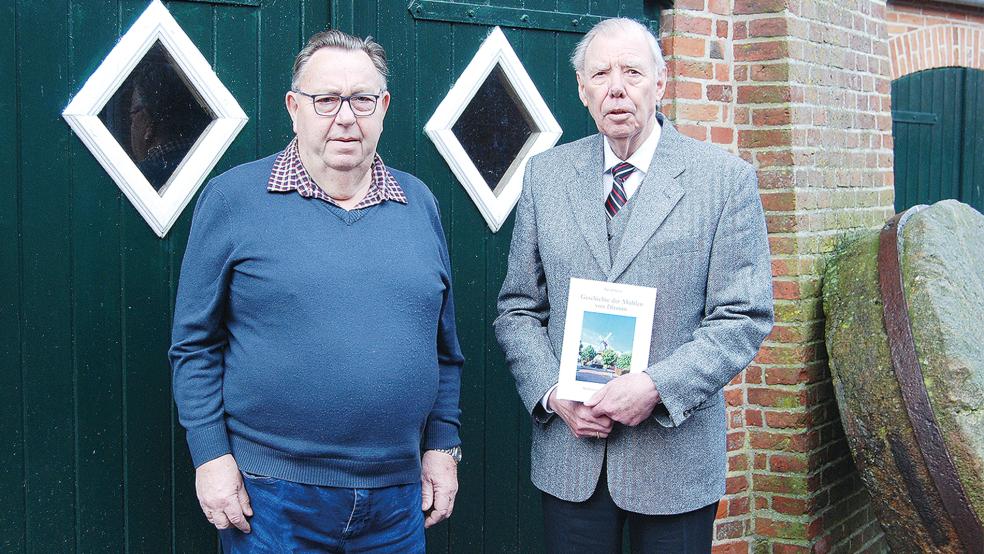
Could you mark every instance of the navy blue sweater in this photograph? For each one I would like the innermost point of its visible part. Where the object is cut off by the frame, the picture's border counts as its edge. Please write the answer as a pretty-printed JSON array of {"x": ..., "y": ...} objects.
[{"x": 314, "y": 344}]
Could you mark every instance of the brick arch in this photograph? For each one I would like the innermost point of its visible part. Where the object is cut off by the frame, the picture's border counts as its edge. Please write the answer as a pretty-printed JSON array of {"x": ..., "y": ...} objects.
[{"x": 936, "y": 46}]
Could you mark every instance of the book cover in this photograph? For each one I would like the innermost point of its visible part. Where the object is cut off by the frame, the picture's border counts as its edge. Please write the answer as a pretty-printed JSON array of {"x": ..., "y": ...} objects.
[{"x": 607, "y": 334}]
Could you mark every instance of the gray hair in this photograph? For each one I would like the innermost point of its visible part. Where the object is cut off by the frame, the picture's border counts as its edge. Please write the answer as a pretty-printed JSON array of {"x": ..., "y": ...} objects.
[
  {"x": 613, "y": 26},
  {"x": 333, "y": 38}
]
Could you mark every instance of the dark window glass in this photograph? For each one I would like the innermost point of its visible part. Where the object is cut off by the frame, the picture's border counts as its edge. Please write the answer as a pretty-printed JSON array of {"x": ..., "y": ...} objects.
[
  {"x": 156, "y": 116},
  {"x": 494, "y": 129}
]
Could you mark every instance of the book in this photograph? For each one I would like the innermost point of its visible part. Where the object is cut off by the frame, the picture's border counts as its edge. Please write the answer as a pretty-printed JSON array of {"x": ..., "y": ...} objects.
[{"x": 607, "y": 333}]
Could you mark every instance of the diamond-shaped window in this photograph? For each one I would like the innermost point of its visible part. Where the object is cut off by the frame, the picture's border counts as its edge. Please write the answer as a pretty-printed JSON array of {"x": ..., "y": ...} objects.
[
  {"x": 156, "y": 117},
  {"x": 493, "y": 130},
  {"x": 489, "y": 125}
]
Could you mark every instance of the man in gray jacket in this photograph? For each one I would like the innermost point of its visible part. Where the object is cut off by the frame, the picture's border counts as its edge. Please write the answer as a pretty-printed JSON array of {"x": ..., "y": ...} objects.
[{"x": 638, "y": 203}]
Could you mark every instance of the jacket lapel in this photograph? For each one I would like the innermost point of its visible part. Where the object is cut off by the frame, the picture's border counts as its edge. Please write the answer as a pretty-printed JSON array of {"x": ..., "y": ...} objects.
[
  {"x": 654, "y": 200},
  {"x": 584, "y": 193}
]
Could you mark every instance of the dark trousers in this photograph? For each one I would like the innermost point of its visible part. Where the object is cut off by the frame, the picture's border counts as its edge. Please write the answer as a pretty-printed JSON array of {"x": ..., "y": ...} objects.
[{"x": 595, "y": 526}]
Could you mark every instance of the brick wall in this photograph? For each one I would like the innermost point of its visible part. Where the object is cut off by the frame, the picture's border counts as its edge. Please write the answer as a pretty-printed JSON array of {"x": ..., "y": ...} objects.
[
  {"x": 697, "y": 42},
  {"x": 926, "y": 35},
  {"x": 801, "y": 89}
]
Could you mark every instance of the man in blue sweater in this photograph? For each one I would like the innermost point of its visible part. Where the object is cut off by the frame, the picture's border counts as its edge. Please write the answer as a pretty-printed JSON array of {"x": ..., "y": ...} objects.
[{"x": 314, "y": 348}]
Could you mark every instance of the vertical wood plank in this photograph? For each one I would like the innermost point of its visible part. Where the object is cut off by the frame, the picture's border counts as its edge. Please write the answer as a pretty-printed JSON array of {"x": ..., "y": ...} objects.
[
  {"x": 96, "y": 306},
  {"x": 46, "y": 192},
  {"x": 279, "y": 25},
  {"x": 432, "y": 73},
  {"x": 13, "y": 508},
  {"x": 395, "y": 32},
  {"x": 972, "y": 171},
  {"x": 467, "y": 246},
  {"x": 502, "y": 420}
]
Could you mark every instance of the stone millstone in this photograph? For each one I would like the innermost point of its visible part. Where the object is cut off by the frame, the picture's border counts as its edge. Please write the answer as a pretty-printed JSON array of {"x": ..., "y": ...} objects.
[{"x": 942, "y": 261}]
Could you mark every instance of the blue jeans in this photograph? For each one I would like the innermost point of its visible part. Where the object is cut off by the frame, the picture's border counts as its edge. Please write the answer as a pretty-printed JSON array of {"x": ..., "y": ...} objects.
[{"x": 293, "y": 517}]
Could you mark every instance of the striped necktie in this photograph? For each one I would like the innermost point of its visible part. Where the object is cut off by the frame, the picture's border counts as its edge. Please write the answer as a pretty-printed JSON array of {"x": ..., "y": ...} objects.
[{"x": 617, "y": 198}]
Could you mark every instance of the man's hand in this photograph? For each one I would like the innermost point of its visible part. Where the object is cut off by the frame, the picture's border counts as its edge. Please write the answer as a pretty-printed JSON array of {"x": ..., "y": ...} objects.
[
  {"x": 222, "y": 495},
  {"x": 580, "y": 418},
  {"x": 439, "y": 485},
  {"x": 628, "y": 399}
]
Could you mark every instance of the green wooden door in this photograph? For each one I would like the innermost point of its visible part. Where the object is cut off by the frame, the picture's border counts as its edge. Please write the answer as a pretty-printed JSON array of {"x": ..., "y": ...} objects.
[
  {"x": 938, "y": 127},
  {"x": 93, "y": 459},
  {"x": 497, "y": 510}
]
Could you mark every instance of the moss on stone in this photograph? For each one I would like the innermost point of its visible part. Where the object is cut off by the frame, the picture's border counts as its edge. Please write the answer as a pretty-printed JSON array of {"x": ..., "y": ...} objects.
[{"x": 943, "y": 257}]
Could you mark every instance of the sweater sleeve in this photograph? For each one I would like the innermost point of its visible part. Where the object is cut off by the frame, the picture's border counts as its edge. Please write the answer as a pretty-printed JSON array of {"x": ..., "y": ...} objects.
[
  {"x": 443, "y": 423},
  {"x": 198, "y": 336}
]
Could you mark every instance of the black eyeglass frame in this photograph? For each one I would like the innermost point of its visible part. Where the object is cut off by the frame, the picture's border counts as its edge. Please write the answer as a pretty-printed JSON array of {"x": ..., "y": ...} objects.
[{"x": 342, "y": 100}]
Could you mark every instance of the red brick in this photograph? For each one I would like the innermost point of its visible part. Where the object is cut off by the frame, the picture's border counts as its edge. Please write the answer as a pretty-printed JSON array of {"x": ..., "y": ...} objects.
[
  {"x": 758, "y": 6},
  {"x": 772, "y": 116},
  {"x": 722, "y": 26},
  {"x": 753, "y": 374},
  {"x": 719, "y": 7},
  {"x": 786, "y": 290},
  {"x": 788, "y": 375},
  {"x": 789, "y": 506},
  {"x": 782, "y": 548},
  {"x": 720, "y": 93},
  {"x": 739, "y": 506},
  {"x": 767, "y": 27},
  {"x": 736, "y": 484},
  {"x": 683, "y": 90},
  {"x": 685, "y": 46},
  {"x": 722, "y": 72},
  {"x": 689, "y": 4},
  {"x": 683, "y": 23},
  {"x": 771, "y": 158},
  {"x": 787, "y": 420},
  {"x": 769, "y": 71},
  {"x": 780, "y": 528},
  {"x": 761, "y": 461},
  {"x": 763, "y": 138},
  {"x": 778, "y": 201},
  {"x": 730, "y": 530},
  {"x": 764, "y": 94},
  {"x": 787, "y": 463},
  {"x": 692, "y": 69},
  {"x": 693, "y": 131},
  {"x": 776, "y": 398},
  {"x": 737, "y": 462},
  {"x": 758, "y": 51},
  {"x": 737, "y": 547},
  {"x": 698, "y": 112},
  {"x": 783, "y": 442},
  {"x": 722, "y": 135}
]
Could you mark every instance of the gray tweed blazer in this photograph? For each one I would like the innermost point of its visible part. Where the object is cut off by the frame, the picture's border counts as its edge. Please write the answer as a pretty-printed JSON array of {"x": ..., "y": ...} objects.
[{"x": 696, "y": 233}]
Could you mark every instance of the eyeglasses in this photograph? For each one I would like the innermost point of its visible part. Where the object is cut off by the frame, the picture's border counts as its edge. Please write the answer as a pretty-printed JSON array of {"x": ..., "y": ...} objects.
[{"x": 362, "y": 105}]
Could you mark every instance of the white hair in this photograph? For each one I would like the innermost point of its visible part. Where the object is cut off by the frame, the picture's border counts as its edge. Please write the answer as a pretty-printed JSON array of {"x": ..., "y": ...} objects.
[{"x": 618, "y": 25}]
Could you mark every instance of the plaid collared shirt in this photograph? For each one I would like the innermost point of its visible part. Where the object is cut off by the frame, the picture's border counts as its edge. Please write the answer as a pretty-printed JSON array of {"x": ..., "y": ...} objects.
[{"x": 288, "y": 174}]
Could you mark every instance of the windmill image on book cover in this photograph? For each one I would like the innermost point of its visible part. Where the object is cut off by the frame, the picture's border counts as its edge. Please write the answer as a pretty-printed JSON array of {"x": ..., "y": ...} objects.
[{"x": 605, "y": 350}]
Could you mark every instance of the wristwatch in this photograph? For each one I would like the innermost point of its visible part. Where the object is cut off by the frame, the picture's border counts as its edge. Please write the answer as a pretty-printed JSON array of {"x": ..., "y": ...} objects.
[{"x": 454, "y": 452}]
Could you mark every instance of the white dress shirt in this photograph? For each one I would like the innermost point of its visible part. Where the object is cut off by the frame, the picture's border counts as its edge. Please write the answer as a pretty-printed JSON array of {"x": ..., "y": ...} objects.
[{"x": 641, "y": 160}]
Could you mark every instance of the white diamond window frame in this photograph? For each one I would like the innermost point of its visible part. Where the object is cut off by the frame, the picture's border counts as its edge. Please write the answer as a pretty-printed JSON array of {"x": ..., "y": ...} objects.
[
  {"x": 159, "y": 210},
  {"x": 495, "y": 50}
]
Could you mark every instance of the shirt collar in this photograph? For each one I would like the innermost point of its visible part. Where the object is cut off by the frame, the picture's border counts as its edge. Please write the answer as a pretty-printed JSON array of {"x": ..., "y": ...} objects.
[
  {"x": 642, "y": 157},
  {"x": 289, "y": 174}
]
